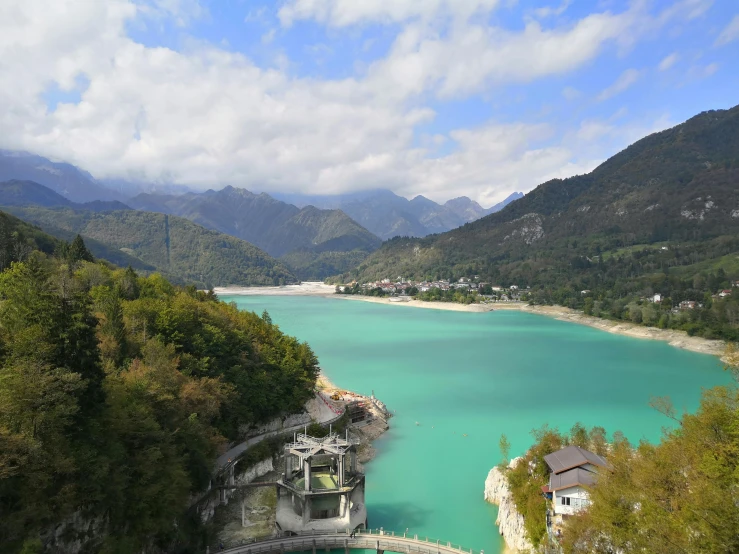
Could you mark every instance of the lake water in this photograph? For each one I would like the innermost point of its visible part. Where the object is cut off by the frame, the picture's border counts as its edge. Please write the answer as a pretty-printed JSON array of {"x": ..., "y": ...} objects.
[{"x": 479, "y": 375}]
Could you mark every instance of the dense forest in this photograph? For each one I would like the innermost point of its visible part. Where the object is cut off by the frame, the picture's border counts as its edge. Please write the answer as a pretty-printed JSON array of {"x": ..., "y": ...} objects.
[
  {"x": 116, "y": 393},
  {"x": 681, "y": 495}
]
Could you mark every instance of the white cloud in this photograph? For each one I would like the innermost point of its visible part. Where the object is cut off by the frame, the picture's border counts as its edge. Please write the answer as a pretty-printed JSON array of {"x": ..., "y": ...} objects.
[
  {"x": 669, "y": 61},
  {"x": 206, "y": 117},
  {"x": 571, "y": 93},
  {"x": 624, "y": 81},
  {"x": 472, "y": 57},
  {"x": 730, "y": 33},
  {"x": 341, "y": 13},
  {"x": 549, "y": 11},
  {"x": 181, "y": 11},
  {"x": 710, "y": 69}
]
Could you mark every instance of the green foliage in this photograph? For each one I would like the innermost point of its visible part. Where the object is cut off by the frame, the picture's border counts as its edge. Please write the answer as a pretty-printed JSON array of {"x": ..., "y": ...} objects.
[
  {"x": 182, "y": 250},
  {"x": 505, "y": 450},
  {"x": 313, "y": 243},
  {"x": 309, "y": 265},
  {"x": 677, "y": 496},
  {"x": 117, "y": 392},
  {"x": 651, "y": 219},
  {"x": 531, "y": 472}
]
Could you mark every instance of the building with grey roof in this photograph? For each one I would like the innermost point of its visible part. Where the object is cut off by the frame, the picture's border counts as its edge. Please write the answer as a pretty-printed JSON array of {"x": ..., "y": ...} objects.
[{"x": 573, "y": 469}]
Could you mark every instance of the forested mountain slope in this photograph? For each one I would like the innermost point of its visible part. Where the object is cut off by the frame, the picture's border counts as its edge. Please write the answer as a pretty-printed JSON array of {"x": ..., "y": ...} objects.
[
  {"x": 679, "y": 185},
  {"x": 316, "y": 243},
  {"x": 173, "y": 245},
  {"x": 661, "y": 217},
  {"x": 117, "y": 392}
]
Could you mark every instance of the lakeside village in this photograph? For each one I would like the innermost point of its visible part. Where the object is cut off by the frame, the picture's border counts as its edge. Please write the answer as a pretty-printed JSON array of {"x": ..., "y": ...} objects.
[{"x": 466, "y": 290}]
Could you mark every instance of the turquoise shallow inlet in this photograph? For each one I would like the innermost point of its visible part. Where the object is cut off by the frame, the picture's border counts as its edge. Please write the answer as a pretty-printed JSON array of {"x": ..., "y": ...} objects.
[{"x": 468, "y": 377}]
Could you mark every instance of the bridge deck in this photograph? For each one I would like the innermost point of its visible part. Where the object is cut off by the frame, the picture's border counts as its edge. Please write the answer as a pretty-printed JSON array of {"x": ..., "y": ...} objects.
[{"x": 366, "y": 540}]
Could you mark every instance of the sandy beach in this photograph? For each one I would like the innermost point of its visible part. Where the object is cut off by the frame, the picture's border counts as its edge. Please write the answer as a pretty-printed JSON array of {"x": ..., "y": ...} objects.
[
  {"x": 308, "y": 288},
  {"x": 678, "y": 339}
]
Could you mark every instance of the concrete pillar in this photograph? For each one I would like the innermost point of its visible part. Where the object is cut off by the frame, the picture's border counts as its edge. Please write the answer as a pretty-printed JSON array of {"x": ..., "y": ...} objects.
[
  {"x": 306, "y": 472},
  {"x": 346, "y": 546},
  {"x": 341, "y": 470},
  {"x": 307, "y": 505}
]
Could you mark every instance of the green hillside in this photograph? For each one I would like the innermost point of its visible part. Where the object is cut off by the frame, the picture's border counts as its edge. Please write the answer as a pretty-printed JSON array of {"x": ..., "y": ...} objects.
[
  {"x": 117, "y": 393},
  {"x": 300, "y": 237},
  {"x": 173, "y": 245},
  {"x": 675, "y": 194}
]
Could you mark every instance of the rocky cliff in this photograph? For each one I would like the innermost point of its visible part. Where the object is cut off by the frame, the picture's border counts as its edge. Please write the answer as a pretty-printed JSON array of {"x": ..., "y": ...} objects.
[{"x": 509, "y": 521}]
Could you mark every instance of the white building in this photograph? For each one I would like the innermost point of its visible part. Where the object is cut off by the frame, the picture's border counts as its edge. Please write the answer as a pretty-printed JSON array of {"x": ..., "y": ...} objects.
[{"x": 573, "y": 469}]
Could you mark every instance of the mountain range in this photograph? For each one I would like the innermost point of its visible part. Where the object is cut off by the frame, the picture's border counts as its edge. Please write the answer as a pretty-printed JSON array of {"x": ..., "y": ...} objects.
[
  {"x": 317, "y": 242},
  {"x": 678, "y": 187},
  {"x": 178, "y": 248},
  {"x": 318, "y": 237},
  {"x": 65, "y": 179},
  {"x": 388, "y": 215}
]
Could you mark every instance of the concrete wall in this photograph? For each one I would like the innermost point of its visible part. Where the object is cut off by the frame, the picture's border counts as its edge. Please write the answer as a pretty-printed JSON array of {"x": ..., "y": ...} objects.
[
  {"x": 277, "y": 424},
  {"x": 207, "y": 508},
  {"x": 578, "y": 497}
]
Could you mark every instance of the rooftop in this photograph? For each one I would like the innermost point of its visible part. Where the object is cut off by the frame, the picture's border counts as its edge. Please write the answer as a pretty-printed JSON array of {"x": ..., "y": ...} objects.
[
  {"x": 571, "y": 478},
  {"x": 570, "y": 457}
]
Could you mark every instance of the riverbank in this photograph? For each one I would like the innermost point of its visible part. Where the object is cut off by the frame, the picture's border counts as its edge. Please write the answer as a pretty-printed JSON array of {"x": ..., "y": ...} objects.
[
  {"x": 678, "y": 339},
  {"x": 367, "y": 432},
  {"x": 308, "y": 288},
  {"x": 449, "y": 306}
]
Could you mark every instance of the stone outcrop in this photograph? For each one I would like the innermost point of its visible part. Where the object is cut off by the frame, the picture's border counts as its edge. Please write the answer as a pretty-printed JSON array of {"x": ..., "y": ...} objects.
[
  {"x": 75, "y": 533},
  {"x": 509, "y": 522}
]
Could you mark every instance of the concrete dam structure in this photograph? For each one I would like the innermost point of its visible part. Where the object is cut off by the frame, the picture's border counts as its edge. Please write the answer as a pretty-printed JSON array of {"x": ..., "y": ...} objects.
[{"x": 321, "y": 489}]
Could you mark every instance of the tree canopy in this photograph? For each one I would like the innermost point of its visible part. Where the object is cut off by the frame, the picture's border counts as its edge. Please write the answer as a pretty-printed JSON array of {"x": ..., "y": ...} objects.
[{"x": 118, "y": 391}]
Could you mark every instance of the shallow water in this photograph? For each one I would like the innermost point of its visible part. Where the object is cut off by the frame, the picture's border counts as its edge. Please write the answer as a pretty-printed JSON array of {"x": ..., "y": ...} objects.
[{"x": 468, "y": 377}]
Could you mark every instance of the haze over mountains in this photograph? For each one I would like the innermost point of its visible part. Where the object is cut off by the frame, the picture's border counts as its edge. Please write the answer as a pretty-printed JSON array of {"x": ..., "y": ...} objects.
[
  {"x": 318, "y": 237},
  {"x": 388, "y": 215}
]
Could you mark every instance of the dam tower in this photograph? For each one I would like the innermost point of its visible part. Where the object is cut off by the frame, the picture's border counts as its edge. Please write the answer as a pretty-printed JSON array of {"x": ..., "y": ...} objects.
[{"x": 321, "y": 487}]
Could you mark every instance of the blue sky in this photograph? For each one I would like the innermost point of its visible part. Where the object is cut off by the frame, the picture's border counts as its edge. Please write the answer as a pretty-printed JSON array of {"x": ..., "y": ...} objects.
[{"x": 434, "y": 97}]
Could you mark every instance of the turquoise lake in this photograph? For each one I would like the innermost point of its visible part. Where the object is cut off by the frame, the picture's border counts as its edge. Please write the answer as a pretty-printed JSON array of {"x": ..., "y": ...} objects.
[{"x": 479, "y": 375}]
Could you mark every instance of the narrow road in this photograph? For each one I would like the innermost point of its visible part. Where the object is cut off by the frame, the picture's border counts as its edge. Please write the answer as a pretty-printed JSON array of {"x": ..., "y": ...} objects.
[{"x": 325, "y": 416}]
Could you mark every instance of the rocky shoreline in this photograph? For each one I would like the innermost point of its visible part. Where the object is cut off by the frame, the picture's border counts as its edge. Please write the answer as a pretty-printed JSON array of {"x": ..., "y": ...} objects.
[{"x": 510, "y": 523}]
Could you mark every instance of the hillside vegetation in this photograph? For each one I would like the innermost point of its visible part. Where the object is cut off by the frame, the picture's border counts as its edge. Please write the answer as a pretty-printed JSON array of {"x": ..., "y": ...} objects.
[
  {"x": 660, "y": 217},
  {"x": 182, "y": 250},
  {"x": 301, "y": 237},
  {"x": 680, "y": 495},
  {"x": 116, "y": 394}
]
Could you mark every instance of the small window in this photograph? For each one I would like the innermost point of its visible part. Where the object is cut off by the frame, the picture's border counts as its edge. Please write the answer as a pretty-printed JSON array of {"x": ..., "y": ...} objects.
[{"x": 565, "y": 500}]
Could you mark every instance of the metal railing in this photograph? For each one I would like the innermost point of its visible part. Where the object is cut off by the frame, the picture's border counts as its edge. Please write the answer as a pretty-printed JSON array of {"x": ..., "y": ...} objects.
[{"x": 369, "y": 539}]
